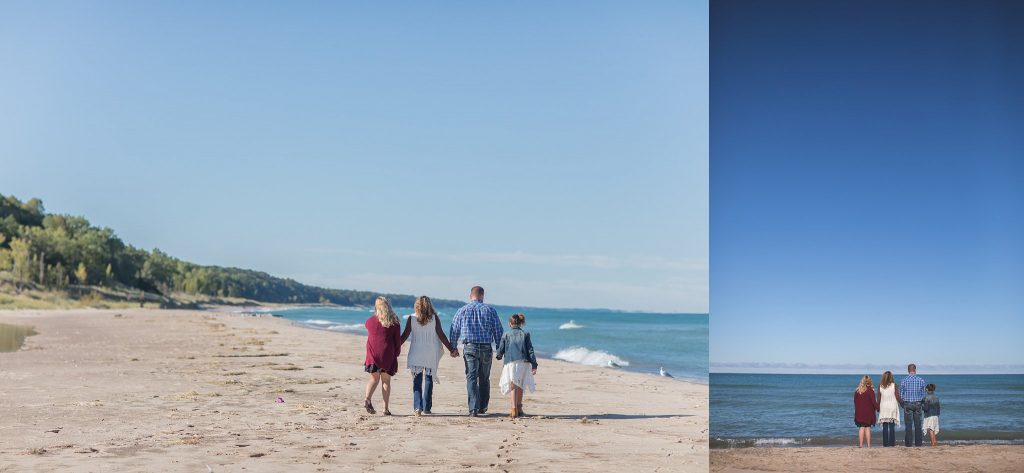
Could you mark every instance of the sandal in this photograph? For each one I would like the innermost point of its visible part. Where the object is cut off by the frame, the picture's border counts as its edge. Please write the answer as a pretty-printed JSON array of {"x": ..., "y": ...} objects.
[
  {"x": 369, "y": 406},
  {"x": 387, "y": 413}
]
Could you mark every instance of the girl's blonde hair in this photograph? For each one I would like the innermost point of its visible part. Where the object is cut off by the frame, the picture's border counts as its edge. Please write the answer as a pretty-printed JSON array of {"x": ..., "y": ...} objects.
[
  {"x": 865, "y": 384},
  {"x": 424, "y": 310},
  {"x": 886, "y": 380},
  {"x": 385, "y": 314}
]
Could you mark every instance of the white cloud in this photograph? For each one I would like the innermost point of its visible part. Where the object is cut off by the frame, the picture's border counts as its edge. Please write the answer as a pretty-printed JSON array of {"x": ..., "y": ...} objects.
[
  {"x": 637, "y": 282},
  {"x": 672, "y": 295},
  {"x": 573, "y": 260}
]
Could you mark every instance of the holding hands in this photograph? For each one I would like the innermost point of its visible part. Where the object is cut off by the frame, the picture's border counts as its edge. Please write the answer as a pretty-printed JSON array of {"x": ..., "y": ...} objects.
[{"x": 454, "y": 352}]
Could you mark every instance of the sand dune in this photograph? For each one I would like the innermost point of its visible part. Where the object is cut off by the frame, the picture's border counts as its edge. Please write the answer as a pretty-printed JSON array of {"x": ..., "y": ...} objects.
[{"x": 147, "y": 390}]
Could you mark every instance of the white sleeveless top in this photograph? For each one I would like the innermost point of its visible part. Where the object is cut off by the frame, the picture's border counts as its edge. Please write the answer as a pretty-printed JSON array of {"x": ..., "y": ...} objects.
[
  {"x": 889, "y": 407},
  {"x": 424, "y": 347}
]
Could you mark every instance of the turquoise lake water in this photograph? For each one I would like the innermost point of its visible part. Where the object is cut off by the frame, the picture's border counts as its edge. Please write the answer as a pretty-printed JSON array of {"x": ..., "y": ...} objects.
[
  {"x": 812, "y": 409},
  {"x": 641, "y": 342}
]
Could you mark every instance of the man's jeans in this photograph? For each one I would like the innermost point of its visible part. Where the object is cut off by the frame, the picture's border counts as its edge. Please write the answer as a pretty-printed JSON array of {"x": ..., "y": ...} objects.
[
  {"x": 914, "y": 416},
  {"x": 478, "y": 375},
  {"x": 421, "y": 397},
  {"x": 888, "y": 434}
]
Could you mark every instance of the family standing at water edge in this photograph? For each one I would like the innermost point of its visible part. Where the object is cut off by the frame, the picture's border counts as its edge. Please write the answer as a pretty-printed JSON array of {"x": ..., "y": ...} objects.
[
  {"x": 475, "y": 326},
  {"x": 918, "y": 400}
]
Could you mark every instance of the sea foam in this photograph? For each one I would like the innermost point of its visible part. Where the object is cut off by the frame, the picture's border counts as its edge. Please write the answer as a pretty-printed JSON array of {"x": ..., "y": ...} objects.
[
  {"x": 586, "y": 356},
  {"x": 347, "y": 328},
  {"x": 318, "y": 322},
  {"x": 569, "y": 325}
]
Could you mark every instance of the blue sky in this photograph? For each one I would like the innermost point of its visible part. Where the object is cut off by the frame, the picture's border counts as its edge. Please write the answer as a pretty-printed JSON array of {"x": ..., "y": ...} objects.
[
  {"x": 554, "y": 153},
  {"x": 867, "y": 186}
]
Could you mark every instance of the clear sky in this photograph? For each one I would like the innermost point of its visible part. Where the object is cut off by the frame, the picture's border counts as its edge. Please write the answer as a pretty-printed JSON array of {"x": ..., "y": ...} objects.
[
  {"x": 554, "y": 152},
  {"x": 867, "y": 185}
]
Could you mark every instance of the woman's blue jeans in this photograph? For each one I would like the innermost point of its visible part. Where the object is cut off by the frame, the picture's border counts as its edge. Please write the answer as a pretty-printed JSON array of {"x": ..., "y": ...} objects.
[
  {"x": 422, "y": 395},
  {"x": 888, "y": 434}
]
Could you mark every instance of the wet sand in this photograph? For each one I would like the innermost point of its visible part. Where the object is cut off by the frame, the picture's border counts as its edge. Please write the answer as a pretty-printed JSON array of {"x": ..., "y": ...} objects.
[
  {"x": 150, "y": 390},
  {"x": 944, "y": 458},
  {"x": 13, "y": 336}
]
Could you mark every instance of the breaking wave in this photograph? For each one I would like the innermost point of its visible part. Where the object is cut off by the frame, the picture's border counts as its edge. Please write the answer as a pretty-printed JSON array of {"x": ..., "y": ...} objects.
[{"x": 586, "y": 356}]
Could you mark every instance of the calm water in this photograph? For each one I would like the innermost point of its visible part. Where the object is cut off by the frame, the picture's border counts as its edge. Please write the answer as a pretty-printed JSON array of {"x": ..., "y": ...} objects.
[
  {"x": 799, "y": 409},
  {"x": 640, "y": 342},
  {"x": 13, "y": 336}
]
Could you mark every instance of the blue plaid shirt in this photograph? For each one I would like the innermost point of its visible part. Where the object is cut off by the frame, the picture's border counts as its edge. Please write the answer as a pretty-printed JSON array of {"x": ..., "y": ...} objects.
[
  {"x": 912, "y": 388},
  {"x": 476, "y": 322}
]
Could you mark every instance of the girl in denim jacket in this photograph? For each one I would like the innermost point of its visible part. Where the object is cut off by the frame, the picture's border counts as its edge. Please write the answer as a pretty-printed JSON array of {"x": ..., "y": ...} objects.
[
  {"x": 931, "y": 412},
  {"x": 520, "y": 363}
]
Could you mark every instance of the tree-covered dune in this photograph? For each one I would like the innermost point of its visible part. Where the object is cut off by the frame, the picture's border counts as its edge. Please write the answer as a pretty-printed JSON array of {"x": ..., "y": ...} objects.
[{"x": 56, "y": 251}]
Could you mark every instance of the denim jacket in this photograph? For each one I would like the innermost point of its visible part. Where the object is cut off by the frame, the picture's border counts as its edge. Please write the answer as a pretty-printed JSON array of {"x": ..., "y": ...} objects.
[
  {"x": 515, "y": 345},
  {"x": 931, "y": 405}
]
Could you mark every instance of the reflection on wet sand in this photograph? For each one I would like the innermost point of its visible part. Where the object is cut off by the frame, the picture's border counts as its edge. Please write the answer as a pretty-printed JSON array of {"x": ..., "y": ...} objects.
[{"x": 13, "y": 336}]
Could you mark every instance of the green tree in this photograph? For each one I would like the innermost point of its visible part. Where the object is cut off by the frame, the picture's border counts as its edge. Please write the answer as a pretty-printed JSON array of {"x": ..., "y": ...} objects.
[
  {"x": 56, "y": 276},
  {"x": 81, "y": 274},
  {"x": 5, "y": 255},
  {"x": 21, "y": 255},
  {"x": 158, "y": 271}
]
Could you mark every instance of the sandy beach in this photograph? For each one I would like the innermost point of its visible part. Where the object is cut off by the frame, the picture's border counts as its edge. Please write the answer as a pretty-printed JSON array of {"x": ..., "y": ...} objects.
[
  {"x": 944, "y": 458},
  {"x": 152, "y": 390}
]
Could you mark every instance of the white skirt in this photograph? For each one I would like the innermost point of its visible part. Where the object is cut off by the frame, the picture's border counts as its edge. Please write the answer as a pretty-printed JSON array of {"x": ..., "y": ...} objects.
[
  {"x": 931, "y": 423},
  {"x": 517, "y": 373}
]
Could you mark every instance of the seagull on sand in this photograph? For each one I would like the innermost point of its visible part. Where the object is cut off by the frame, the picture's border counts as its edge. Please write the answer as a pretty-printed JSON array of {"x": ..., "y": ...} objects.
[{"x": 664, "y": 373}]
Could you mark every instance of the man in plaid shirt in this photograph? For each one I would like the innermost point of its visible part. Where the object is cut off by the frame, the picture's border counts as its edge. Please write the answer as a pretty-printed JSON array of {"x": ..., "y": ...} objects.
[
  {"x": 477, "y": 326},
  {"x": 912, "y": 393}
]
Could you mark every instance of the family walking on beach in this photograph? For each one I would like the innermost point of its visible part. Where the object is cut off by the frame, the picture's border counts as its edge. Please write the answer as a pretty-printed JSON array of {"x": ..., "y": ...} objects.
[
  {"x": 475, "y": 327},
  {"x": 918, "y": 400}
]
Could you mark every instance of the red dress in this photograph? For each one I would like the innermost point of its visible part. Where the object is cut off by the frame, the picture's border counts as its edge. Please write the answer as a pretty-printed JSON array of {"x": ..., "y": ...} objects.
[
  {"x": 864, "y": 406},
  {"x": 383, "y": 345}
]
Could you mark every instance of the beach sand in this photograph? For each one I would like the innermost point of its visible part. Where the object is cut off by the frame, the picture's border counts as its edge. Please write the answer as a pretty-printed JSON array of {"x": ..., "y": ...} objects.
[
  {"x": 151, "y": 390},
  {"x": 944, "y": 458}
]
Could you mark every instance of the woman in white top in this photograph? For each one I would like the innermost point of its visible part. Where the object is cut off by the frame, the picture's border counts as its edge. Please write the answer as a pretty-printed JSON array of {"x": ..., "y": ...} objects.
[
  {"x": 888, "y": 409},
  {"x": 424, "y": 352}
]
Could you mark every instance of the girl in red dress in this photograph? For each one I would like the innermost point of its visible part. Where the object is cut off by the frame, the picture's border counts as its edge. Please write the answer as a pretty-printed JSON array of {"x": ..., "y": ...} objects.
[
  {"x": 383, "y": 345},
  {"x": 864, "y": 406}
]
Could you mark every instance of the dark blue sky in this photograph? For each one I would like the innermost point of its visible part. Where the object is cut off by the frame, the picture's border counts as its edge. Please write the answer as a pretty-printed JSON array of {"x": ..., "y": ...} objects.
[{"x": 867, "y": 183}]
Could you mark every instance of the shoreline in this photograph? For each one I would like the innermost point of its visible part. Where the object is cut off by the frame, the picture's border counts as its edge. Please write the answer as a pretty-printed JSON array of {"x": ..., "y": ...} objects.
[
  {"x": 176, "y": 390},
  {"x": 846, "y": 442},
  {"x": 684, "y": 379},
  {"x": 941, "y": 459}
]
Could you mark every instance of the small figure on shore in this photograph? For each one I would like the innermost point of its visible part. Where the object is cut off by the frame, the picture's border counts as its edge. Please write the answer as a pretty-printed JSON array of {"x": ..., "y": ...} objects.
[
  {"x": 931, "y": 413},
  {"x": 383, "y": 345},
  {"x": 864, "y": 406},
  {"x": 888, "y": 409},
  {"x": 424, "y": 352},
  {"x": 520, "y": 363}
]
